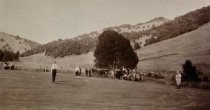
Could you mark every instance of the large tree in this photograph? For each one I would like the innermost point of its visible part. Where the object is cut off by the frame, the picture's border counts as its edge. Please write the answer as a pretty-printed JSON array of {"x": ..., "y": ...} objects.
[{"x": 114, "y": 50}]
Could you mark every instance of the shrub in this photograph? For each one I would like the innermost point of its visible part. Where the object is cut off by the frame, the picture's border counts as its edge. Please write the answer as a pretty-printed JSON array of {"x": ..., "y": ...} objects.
[
  {"x": 205, "y": 79},
  {"x": 136, "y": 46},
  {"x": 2, "y": 40},
  {"x": 149, "y": 75},
  {"x": 190, "y": 73}
]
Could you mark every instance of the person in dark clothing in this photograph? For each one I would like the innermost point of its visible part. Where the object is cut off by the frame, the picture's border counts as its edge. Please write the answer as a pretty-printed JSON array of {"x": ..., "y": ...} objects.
[
  {"x": 86, "y": 72},
  {"x": 54, "y": 71},
  {"x": 89, "y": 72}
]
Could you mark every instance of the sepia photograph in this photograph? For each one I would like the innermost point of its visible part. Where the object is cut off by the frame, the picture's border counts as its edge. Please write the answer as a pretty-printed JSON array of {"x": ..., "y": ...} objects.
[{"x": 104, "y": 55}]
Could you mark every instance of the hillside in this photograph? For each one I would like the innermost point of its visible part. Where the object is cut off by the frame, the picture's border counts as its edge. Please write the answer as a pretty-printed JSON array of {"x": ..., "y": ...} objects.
[
  {"x": 41, "y": 61},
  {"x": 140, "y": 35},
  {"x": 164, "y": 55},
  {"x": 86, "y": 42},
  {"x": 172, "y": 53},
  {"x": 180, "y": 25},
  {"x": 15, "y": 43}
]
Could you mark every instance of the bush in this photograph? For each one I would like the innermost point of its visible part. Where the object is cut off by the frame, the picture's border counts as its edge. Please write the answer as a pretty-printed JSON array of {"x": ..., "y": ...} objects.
[
  {"x": 136, "y": 46},
  {"x": 190, "y": 73},
  {"x": 149, "y": 75},
  {"x": 205, "y": 79}
]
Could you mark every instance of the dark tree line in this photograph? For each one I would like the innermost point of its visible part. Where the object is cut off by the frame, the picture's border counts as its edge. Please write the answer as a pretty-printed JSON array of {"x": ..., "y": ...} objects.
[
  {"x": 62, "y": 48},
  {"x": 8, "y": 55}
]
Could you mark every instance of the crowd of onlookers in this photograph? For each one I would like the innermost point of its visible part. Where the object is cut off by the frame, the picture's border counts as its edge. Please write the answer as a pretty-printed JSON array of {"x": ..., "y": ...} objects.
[{"x": 112, "y": 73}]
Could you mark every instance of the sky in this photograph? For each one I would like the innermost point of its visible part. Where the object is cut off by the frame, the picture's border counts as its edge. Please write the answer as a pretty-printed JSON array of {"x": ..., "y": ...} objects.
[{"x": 46, "y": 20}]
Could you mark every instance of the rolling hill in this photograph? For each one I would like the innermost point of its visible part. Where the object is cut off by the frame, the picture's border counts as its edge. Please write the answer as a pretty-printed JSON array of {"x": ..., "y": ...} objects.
[
  {"x": 172, "y": 53},
  {"x": 140, "y": 35},
  {"x": 164, "y": 55},
  {"x": 15, "y": 43},
  {"x": 167, "y": 45},
  {"x": 86, "y": 42}
]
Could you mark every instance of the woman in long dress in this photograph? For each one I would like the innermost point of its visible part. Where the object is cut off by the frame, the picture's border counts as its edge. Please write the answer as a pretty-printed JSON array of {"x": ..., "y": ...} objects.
[{"x": 178, "y": 79}]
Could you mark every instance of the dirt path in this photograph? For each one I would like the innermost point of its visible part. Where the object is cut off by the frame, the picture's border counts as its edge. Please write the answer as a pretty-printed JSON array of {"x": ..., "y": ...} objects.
[{"x": 20, "y": 90}]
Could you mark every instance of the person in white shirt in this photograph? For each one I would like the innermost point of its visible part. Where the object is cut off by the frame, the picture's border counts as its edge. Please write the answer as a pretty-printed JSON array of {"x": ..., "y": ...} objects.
[
  {"x": 77, "y": 70},
  {"x": 54, "y": 69},
  {"x": 178, "y": 79}
]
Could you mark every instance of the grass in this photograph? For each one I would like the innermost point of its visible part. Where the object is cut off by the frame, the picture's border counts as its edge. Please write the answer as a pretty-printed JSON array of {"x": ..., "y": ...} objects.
[{"x": 23, "y": 90}]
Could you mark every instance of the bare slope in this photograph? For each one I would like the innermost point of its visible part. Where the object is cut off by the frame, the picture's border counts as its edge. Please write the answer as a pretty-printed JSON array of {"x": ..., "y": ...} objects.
[
  {"x": 15, "y": 43},
  {"x": 171, "y": 54}
]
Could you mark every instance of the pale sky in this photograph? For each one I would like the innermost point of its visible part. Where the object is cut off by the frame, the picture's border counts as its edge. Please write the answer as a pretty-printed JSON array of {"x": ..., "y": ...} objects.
[{"x": 46, "y": 20}]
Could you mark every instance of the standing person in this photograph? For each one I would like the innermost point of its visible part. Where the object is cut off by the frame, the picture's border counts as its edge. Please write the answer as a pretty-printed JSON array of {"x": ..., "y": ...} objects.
[
  {"x": 89, "y": 72},
  {"x": 77, "y": 69},
  {"x": 54, "y": 69},
  {"x": 178, "y": 79},
  {"x": 80, "y": 71},
  {"x": 112, "y": 73},
  {"x": 86, "y": 72}
]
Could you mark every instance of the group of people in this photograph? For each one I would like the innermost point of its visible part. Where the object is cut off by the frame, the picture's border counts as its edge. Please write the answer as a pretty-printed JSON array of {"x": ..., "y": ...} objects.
[
  {"x": 54, "y": 69},
  {"x": 88, "y": 72}
]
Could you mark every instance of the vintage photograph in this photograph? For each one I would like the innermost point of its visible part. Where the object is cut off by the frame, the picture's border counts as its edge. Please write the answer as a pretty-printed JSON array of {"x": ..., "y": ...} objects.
[{"x": 105, "y": 55}]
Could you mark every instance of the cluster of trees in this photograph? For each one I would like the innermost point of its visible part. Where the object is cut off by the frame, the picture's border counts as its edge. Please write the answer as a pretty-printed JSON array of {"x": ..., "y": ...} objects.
[
  {"x": 180, "y": 25},
  {"x": 171, "y": 29},
  {"x": 8, "y": 55},
  {"x": 114, "y": 50},
  {"x": 61, "y": 48}
]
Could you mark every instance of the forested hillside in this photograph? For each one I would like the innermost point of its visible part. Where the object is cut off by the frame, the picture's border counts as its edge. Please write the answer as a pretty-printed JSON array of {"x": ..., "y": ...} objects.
[
  {"x": 61, "y": 48},
  {"x": 179, "y": 25}
]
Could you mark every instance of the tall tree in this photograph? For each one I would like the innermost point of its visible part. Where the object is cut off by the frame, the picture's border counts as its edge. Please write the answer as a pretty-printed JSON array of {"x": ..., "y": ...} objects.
[
  {"x": 190, "y": 72},
  {"x": 113, "y": 49}
]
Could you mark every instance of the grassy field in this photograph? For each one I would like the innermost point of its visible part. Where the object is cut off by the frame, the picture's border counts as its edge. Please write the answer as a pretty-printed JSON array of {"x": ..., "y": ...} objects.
[
  {"x": 21, "y": 90},
  {"x": 68, "y": 63}
]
